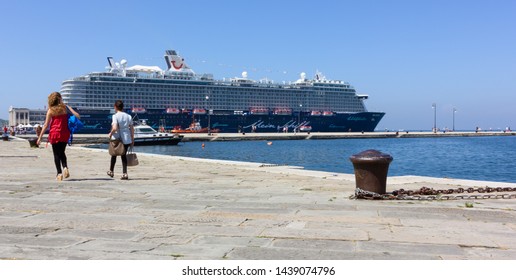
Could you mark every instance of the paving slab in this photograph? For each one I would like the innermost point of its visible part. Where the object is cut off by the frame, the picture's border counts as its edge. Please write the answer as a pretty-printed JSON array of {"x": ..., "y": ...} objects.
[{"x": 200, "y": 209}]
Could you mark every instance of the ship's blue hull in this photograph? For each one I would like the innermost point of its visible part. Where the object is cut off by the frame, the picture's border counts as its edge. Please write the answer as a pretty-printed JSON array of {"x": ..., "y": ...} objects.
[{"x": 99, "y": 121}]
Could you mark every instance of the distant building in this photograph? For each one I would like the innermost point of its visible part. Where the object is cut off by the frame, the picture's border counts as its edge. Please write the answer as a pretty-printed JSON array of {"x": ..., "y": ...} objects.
[{"x": 24, "y": 116}]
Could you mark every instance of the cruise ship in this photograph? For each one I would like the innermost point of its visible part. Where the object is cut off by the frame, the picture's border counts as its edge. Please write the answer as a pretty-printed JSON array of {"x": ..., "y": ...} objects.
[{"x": 177, "y": 98}]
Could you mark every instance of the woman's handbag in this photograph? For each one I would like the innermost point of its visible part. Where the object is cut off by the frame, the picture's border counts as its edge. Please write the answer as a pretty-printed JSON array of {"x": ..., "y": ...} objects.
[
  {"x": 132, "y": 158},
  {"x": 116, "y": 147}
]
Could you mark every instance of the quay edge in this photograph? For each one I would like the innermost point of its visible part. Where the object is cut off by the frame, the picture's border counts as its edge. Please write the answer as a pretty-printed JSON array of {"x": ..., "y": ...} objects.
[{"x": 192, "y": 137}]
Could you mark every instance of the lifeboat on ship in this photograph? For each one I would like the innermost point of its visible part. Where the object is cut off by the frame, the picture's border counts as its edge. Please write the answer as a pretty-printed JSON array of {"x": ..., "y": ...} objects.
[
  {"x": 199, "y": 111},
  {"x": 283, "y": 111},
  {"x": 173, "y": 111},
  {"x": 137, "y": 110},
  {"x": 259, "y": 111},
  {"x": 327, "y": 113},
  {"x": 315, "y": 113}
]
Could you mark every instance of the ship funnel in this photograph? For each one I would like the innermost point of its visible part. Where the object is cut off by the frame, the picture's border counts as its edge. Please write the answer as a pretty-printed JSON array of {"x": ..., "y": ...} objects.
[
  {"x": 174, "y": 61},
  {"x": 168, "y": 61}
]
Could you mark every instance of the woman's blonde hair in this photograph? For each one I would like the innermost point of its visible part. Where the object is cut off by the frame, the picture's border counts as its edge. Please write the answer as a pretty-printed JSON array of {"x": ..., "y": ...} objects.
[{"x": 55, "y": 103}]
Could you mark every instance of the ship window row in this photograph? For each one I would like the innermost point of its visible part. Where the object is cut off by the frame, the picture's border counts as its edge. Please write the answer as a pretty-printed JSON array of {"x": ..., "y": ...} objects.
[
  {"x": 168, "y": 84},
  {"x": 216, "y": 95},
  {"x": 105, "y": 101},
  {"x": 220, "y": 98},
  {"x": 235, "y": 106},
  {"x": 157, "y": 84},
  {"x": 175, "y": 88}
]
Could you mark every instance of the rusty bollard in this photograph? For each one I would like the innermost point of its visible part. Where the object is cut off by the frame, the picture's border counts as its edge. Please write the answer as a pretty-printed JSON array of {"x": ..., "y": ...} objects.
[{"x": 371, "y": 167}]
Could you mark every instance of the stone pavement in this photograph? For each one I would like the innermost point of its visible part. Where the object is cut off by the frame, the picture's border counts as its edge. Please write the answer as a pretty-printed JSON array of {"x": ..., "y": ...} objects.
[{"x": 180, "y": 208}]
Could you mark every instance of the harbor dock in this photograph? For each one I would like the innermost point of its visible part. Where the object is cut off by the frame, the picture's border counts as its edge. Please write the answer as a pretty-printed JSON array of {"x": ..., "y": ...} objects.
[
  {"x": 189, "y": 137},
  {"x": 199, "y": 209}
]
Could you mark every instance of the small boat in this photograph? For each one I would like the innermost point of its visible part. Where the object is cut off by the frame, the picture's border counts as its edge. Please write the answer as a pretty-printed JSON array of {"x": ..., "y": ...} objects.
[
  {"x": 305, "y": 128},
  {"x": 195, "y": 127},
  {"x": 315, "y": 113},
  {"x": 146, "y": 135},
  {"x": 327, "y": 113}
]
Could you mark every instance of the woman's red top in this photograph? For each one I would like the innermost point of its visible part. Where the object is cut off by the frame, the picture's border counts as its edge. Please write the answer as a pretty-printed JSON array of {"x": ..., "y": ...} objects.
[{"x": 59, "y": 129}]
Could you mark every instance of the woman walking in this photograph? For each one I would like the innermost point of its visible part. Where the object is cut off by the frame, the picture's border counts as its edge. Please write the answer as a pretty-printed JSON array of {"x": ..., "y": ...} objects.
[
  {"x": 57, "y": 119},
  {"x": 121, "y": 129}
]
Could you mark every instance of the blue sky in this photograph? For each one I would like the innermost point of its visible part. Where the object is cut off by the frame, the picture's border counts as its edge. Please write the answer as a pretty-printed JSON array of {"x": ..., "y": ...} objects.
[{"x": 405, "y": 55}]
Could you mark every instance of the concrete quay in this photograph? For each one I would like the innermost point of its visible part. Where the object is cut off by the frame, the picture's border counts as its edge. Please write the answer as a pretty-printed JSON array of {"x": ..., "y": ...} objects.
[
  {"x": 189, "y": 137},
  {"x": 198, "y": 209}
]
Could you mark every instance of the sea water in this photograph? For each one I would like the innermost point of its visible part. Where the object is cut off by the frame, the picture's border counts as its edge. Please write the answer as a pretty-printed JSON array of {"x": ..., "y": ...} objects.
[{"x": 474, "y": 158}]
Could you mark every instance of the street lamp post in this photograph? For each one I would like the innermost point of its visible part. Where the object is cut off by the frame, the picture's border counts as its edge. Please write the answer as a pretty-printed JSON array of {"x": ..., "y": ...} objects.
[
  {"x": 435, "y": 117},
  {"x": 299, "y": 117},
  {"x": 207, "y": 107},
  {"x": 453, "y": 125}
]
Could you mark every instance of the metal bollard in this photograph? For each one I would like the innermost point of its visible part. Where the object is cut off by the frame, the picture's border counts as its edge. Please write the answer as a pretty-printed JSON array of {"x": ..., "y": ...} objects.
[{"x": 371, "y": 167}]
